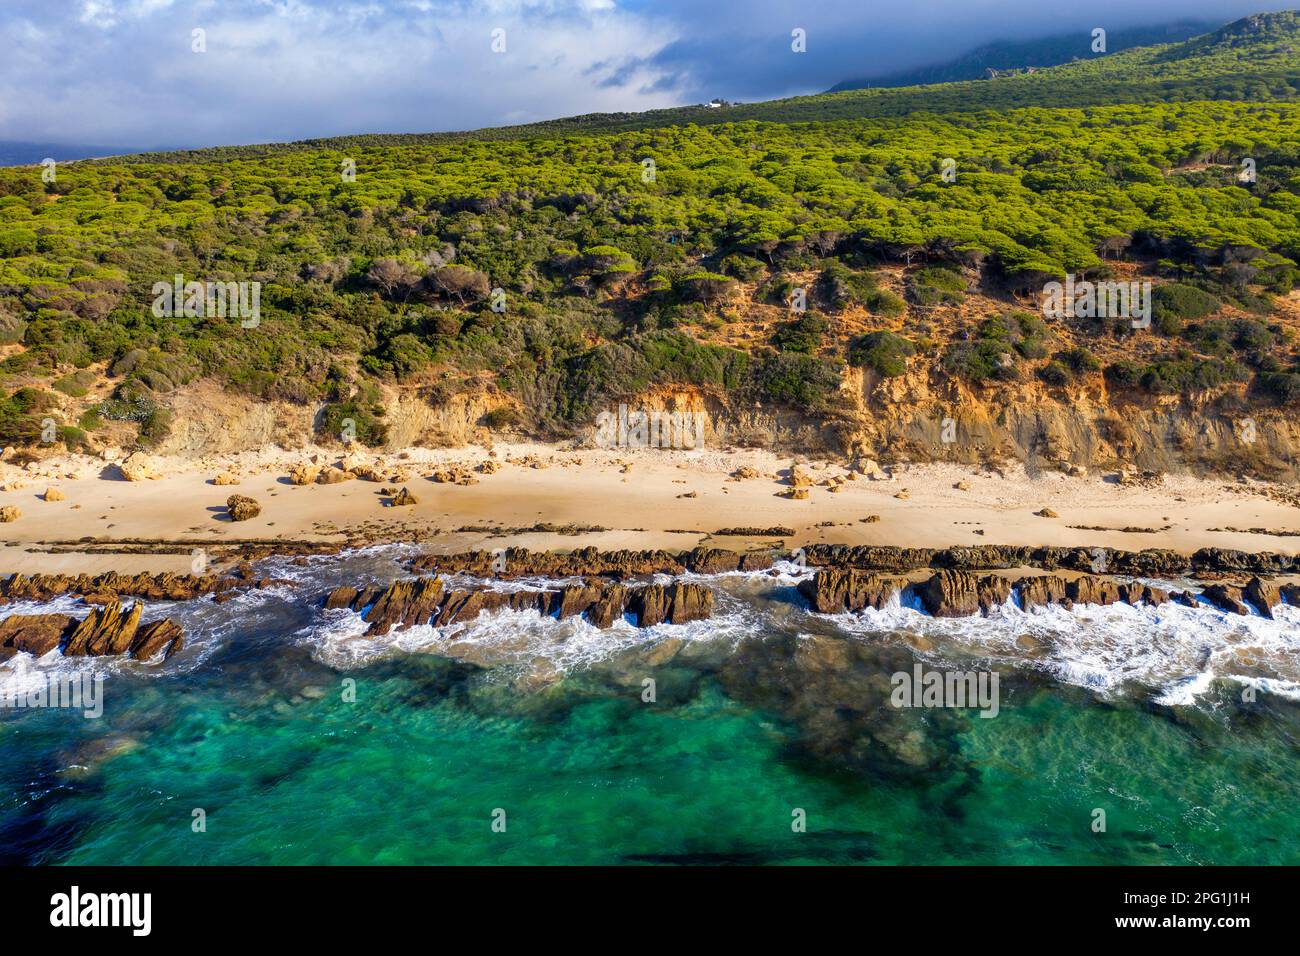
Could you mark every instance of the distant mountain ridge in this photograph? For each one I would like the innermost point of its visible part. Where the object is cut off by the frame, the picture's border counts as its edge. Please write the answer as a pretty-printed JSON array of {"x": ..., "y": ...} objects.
[{"x": 1040, "y": 52}]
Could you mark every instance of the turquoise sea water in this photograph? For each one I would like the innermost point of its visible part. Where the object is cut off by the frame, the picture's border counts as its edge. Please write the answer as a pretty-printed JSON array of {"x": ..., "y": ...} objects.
[{"x": 763, "y": 712}]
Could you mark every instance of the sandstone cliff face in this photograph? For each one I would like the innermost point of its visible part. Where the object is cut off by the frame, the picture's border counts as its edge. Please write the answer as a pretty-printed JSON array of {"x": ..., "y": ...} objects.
[
  {"x": 208, "y": 421},
  {"x": 418, "y": 418},
  {"x": 922, "y": 416}
]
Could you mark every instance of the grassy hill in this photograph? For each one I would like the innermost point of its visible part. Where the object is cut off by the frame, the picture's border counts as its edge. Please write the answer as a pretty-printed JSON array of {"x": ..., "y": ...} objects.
[{"x": 566, "y": 265}]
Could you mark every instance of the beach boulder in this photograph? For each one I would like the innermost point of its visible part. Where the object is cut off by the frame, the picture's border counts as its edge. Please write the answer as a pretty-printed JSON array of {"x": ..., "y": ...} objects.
[
  {"x": 333, "y": 476},
  {"x": 139, "y": 467},
  {"x": 10, "y": 513},
  {"x": 242, "y": 507},
  {"x": 304, "y": 473}
]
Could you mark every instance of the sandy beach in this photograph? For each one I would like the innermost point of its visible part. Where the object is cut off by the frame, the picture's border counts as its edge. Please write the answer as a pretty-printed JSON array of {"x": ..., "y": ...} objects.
[{"x": 611, "y": 499}]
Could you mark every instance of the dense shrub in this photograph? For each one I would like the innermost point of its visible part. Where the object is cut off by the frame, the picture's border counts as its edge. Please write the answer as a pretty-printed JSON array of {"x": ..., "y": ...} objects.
[
  {"x": 1174, "y": 303},
  {"x": 803, "y": 334},
  {"x": 799, "y": 381},
  {"x": 936, "y": 285},
  {"x": 886, "y": 352}
]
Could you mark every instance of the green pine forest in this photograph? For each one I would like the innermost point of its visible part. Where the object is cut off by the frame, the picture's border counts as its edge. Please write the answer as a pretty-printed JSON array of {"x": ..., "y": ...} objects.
[{"x": 624, "y": 247}]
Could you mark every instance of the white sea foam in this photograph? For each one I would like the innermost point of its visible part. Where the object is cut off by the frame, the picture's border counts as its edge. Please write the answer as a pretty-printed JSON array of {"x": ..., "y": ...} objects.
[
  {"x": 507, "y": 638},
  {"x": 1179, "y": 649}
]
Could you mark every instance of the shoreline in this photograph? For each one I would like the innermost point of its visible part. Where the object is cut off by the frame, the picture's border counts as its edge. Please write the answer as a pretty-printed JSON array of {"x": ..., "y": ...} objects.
[{"x": 546, "y": 497}]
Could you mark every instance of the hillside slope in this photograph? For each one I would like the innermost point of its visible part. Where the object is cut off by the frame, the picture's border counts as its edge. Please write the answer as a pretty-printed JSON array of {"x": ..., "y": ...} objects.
[{"x": 832, "y": 272}]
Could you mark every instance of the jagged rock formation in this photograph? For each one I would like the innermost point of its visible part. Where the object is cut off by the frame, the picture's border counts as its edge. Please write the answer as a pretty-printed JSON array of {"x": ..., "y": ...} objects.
[
  {"x": 959, "y": 593},
  {"x": 1043, "y": 590},
  {"x": 834, "y": 591},
  {"x": 949, "y": 593},
  {"x": 1226, "y": 597},
  {"x": 106, "y": 631},
  {"x": 1153, "y": 562},
  {"x": 1256, "y": 593},
  {"x": 108, "y": 587},
  {"x": 589, "y": 562},
  {"x": 428, "y": 601},
  {"x": 35, "y": 634}
]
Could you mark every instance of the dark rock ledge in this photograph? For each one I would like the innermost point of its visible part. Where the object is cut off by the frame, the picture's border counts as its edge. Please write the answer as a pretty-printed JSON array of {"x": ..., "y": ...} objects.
[
  {"x": 588, "y": 562},
  {"x": 429, "y": 601},
  {"x": 949, "y": 593},
  {"x": 107, "y": 588}
]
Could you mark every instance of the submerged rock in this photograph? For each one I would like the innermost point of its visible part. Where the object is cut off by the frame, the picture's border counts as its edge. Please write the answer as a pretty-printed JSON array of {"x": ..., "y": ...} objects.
[{"x": 837, "y": 694}]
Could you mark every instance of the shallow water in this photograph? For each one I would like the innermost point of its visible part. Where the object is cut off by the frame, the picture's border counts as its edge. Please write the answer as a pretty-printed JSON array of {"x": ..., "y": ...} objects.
[{"x": 765, "y": 711}]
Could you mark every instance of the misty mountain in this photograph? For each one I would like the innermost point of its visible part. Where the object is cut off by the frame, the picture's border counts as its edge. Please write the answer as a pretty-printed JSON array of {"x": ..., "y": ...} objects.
[{"x": 1040, "y": 52}]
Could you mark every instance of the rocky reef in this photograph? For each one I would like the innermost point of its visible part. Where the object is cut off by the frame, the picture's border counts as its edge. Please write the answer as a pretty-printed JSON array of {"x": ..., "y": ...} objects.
[
  {"x": 591, "y": 562},
  {"x": 107, "y": 588},
  {"x": 1154, "y": 562},
  {"x": 429, "y": 601},
  {"x": 948, "y": 593},
  {"x": 106, "y": 631}
]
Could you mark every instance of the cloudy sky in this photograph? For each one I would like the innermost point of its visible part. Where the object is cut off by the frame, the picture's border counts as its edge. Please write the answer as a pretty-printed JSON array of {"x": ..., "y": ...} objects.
[{"x": 124, "y": 73}]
